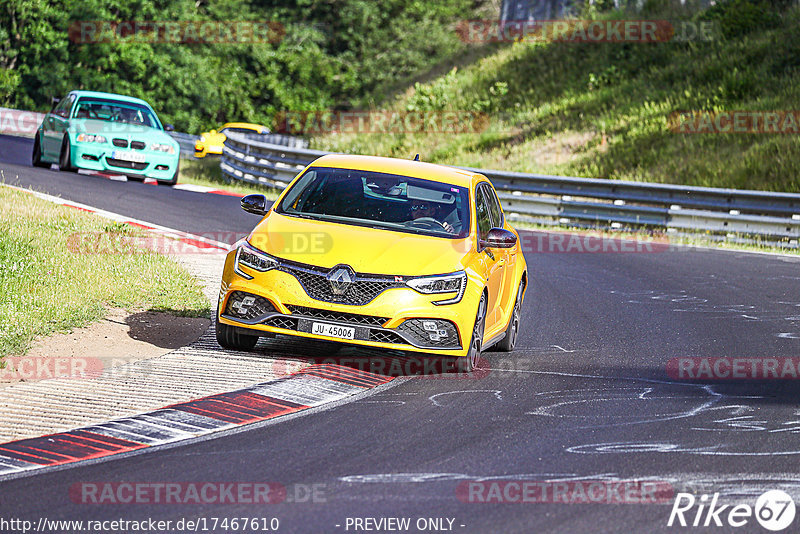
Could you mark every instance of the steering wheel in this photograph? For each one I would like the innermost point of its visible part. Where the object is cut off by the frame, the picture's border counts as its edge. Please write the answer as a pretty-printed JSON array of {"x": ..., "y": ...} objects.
[{"x": 427, "y": 222}]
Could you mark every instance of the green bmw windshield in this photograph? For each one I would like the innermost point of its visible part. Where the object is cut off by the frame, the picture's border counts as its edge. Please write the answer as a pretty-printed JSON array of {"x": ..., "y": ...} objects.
[{"x": 115, "y": 111}]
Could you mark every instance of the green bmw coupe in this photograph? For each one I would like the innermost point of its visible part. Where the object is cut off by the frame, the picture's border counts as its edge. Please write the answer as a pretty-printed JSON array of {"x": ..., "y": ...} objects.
[{"x": 109, "y": 133}]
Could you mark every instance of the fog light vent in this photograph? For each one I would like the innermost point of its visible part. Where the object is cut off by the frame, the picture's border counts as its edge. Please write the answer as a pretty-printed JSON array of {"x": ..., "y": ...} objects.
[
  {"x": 435, "y": 333},
  {"x": 247, "y": 306}
]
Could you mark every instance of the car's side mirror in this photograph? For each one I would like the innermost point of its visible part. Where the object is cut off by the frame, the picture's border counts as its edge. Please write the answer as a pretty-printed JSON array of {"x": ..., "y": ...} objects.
[
  {"x": 62, "y": 113},
  {"x": 499, "y": 238},
  {"x": 255, "y": 204},
  {"x": 169, "y": 128}
]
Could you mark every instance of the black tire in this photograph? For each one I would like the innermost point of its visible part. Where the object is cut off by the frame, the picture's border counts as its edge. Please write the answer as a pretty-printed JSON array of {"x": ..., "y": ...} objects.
[
  {"x": 36, "y": 157},
  {"x": 174, "y": 179},
  {"x": 64, "y": 163},
  {"x": 512, "y": 330},
  {"x": 468, "y": 363},
  {"x": 229, "y": 337}
]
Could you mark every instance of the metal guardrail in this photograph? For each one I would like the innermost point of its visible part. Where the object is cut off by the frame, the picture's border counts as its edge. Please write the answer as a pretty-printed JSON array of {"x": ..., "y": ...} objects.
[{"x": 569, "y": 201}]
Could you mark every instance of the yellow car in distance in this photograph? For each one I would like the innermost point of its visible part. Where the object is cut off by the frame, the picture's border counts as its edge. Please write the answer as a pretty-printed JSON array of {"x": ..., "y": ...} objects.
[
  {"x": 378, "y": 252},
  {"x": 211, "y": 142}
]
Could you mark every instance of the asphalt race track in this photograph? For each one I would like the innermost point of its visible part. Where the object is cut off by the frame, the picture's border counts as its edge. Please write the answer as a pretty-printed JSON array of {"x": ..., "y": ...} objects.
[{"x": 586, "y": 397}]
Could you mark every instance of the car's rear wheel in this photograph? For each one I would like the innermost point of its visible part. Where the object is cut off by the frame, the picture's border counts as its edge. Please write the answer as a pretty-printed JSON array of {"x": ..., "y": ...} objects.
[
  {"x": 230, "y": 337},
  {"x": 510, "y": 340},
  {"x": 65, "y": 159},
  {"x": 36, "y": 157},
  {"x": 468, "y": 363}
]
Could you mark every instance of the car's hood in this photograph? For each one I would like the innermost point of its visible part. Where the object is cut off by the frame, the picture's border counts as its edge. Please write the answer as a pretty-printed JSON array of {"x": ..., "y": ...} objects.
[
  {"x": 121, "y": 130},
  {"x": 366, "y": 250}
]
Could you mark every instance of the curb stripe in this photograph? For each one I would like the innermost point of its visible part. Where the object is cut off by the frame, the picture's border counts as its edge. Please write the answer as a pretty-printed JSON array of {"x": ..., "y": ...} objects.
[{"x": 313, "y": 386}]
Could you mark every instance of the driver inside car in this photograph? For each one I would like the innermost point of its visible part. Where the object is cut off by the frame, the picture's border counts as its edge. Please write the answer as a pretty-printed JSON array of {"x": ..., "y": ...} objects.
[{"x": 422, "y": 209}]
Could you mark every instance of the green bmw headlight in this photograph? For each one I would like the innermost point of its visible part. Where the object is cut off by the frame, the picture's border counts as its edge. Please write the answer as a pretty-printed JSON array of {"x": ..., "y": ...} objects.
[{"x": 162, "y": 147}]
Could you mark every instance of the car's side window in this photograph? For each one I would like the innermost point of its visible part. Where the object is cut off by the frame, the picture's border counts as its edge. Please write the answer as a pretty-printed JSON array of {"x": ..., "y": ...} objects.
[
  {"x": 482, "y": 213},
  {"x": 70, "y": 101},
  {"x": 494, "y": 207},
  {"x": 61, "y": 106}
]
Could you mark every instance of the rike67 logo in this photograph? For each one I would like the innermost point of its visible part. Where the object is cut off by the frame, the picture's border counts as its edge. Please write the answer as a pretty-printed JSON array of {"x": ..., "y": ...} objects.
[{"x": 774, "y": 510}]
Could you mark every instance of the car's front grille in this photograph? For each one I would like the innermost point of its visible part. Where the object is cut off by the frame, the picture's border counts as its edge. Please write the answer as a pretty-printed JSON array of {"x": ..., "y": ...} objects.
[
  {"x": 247, "y": 306},
  {"x": 363, "y": 290},
  {"x": 444, "y": 335},
  {"x": 341, "y": 317},
  {"x": 138, "y": 145},
  {"x": 121, "y": 143},
  {"x": 423, "y": 333},
  {"x": 279, "y": 321},
  {"x": 126, "y": 164}
]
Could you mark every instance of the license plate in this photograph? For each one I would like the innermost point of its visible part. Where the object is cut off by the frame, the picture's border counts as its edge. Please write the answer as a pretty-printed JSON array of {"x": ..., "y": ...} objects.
[
  {"x": 333, "y": 330},
  {"x": 125, "y": 155}
]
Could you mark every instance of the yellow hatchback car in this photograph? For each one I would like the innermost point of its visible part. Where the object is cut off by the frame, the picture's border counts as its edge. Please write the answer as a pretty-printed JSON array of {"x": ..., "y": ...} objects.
[
  {"x": 211, "y": 142},
  {"x": 378, "y": 252}
]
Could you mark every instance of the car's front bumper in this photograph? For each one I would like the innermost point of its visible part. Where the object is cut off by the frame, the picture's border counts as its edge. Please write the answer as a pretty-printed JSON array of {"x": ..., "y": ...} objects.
[
  {"x": 157, "y": 165},
  {"x": 395, "y": 319}
]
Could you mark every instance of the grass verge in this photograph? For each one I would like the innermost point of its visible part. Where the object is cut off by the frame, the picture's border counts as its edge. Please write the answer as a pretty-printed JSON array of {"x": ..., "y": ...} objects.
[
  {"x": 45, "y": 287},
  {"x": 206, "y": 172}
]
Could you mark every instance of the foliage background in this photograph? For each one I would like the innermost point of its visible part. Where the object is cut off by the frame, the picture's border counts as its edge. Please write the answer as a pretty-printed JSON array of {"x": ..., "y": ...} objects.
[{"x": 336, "y": 54}]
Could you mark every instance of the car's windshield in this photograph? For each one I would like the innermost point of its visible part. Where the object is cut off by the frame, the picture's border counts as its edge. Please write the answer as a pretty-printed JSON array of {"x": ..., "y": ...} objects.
[
  {"x": 379, "y": 200},
  {"x": 115, "y": 111}
]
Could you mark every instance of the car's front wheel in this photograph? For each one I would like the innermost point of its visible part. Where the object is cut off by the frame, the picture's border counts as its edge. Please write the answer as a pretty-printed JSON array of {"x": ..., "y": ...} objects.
[
  {"x": 65, "y": 160},
  {"x": 512, "y": 330},
  {"x": 230, "y": 337},
  {"x": 468, "y": 363},
  {"x": 36, "y": 157}
]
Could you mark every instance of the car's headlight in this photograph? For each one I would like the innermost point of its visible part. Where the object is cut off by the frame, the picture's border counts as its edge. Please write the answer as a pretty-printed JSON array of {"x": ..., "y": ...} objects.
[
  {"x": 444, "y": 283},
  {"x": 159, "y": 147},
  {"x": 89, "y": 138},
  {"x": 249, "y": 256}
]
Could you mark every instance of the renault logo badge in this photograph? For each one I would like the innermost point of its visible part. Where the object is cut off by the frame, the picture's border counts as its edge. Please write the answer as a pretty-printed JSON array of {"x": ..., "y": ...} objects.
[{"x": 340, "y": 278}]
